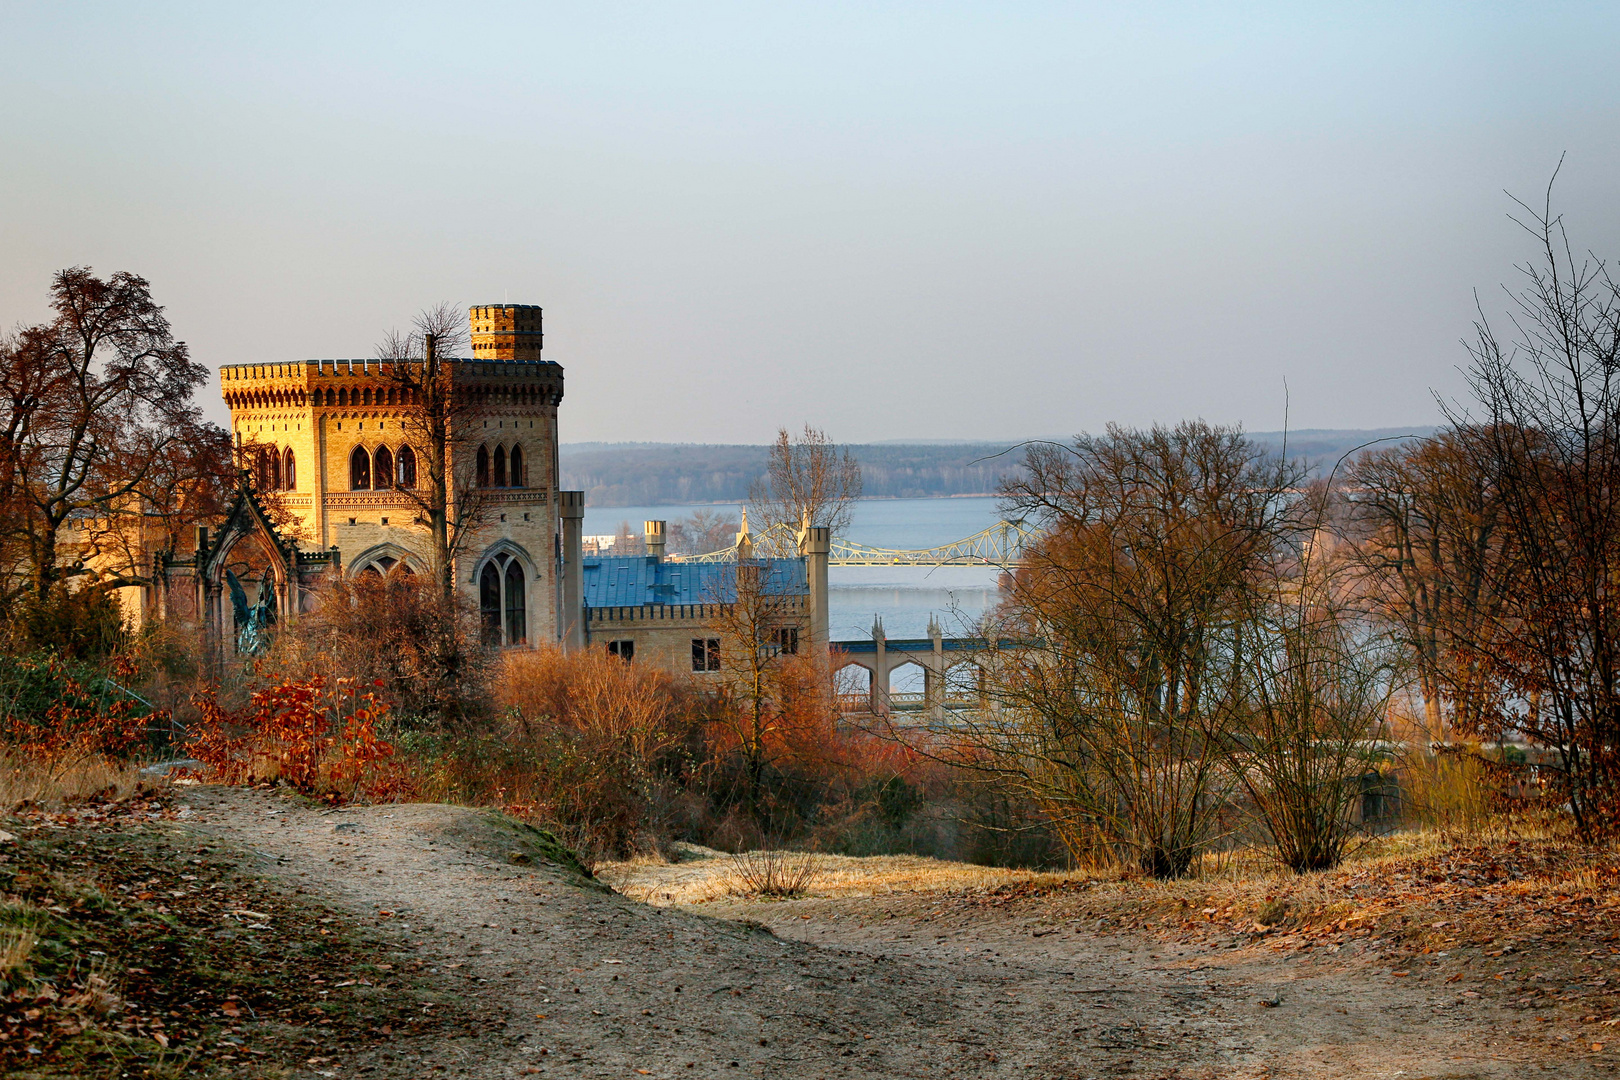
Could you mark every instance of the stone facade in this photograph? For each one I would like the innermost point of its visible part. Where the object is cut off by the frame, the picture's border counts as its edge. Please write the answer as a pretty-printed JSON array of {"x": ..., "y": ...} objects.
[{"x": 321, "y": 434}]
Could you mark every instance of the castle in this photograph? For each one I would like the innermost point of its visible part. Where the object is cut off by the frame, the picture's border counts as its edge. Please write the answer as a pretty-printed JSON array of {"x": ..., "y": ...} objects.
[{"x": 335, "y": 453}]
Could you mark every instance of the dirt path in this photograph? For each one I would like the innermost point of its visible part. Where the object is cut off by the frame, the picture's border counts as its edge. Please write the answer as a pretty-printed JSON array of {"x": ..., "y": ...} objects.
[{"x": 590, "y": 983}]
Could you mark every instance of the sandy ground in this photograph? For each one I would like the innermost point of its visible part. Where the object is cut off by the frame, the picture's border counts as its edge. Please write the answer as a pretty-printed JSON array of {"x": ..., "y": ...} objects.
[{"x": 593, "y": 983}]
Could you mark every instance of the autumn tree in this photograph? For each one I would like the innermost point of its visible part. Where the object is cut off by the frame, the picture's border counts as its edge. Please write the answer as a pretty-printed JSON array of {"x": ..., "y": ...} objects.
[
  {"x": 1121, "y": 677},
  {"x": 808, "y": 481},
  {"x": 98, "y": 422},
  {"x": 769, "y": 689},
  {"x": 1434, "y": 554},
  {"x": 438, "y": 420}
]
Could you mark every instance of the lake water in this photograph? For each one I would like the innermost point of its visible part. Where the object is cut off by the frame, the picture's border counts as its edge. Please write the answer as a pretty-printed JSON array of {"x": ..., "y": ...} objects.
[{"x": 905, "y": 597}]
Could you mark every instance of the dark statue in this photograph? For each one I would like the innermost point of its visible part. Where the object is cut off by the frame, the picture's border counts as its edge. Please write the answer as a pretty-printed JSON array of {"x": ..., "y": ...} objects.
[{"x": 253, "y": 623}]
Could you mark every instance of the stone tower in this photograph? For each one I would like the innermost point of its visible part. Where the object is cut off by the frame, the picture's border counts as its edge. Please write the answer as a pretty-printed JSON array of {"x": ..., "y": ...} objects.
[
  {"x": 333, "y": 442},
  {"x": 506, "y": 332}
]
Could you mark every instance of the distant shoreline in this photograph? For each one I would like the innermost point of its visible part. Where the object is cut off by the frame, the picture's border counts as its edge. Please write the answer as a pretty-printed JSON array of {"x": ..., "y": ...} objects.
[{"x": 721, "y": 474}]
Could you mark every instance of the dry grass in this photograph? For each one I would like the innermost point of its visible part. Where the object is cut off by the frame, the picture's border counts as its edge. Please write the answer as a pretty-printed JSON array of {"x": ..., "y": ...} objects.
[
  {"x": 712, "y": 876},
  {"x": 23, "y": 778}
]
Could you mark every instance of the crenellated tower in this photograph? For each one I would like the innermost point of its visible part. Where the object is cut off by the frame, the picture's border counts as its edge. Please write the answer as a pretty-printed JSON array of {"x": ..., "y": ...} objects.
[{"x": 337, "y": 444}]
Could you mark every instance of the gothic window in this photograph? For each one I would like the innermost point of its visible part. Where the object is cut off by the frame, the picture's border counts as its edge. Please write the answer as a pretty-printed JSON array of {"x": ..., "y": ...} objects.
[
  {"x": 483, "y": 467},
  {"x": 517, "y": 621},
  {"x": 289, "y": 471},
  {"x": 518, "y": 479},
  {"x": 384, "y": 469},
  {"x": 407, "y": 467},
  {"x": 502, "y": 602},
  {"x": 359, "y": 470},
  {"x": 500, "y": 466}
]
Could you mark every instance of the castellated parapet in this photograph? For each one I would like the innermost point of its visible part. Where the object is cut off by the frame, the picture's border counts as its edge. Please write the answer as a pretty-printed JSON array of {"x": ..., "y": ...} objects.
[{"x": 333, "y": 443}]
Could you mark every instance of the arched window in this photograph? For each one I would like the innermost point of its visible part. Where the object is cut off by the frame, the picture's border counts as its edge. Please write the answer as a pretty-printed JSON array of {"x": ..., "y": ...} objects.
[
  {"x": 517, "y": 620},
  {"x": 500, "y": 466},
  {"x": 518, "y": 479},
  {"x": 289, "y": 471},
  {"x": 502, "y": 602},
  {"x": 489, "y": 604},
  {"x": 407, "y": 467},
  {"x": 483, "y": 467},
  {"x": 263, "y": 463},
  {"x": 384, "y": 469},
  {"x": 359, "y": 470}
]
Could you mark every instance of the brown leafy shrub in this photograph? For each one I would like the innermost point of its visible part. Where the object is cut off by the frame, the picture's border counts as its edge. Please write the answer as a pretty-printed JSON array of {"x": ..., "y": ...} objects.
[
  {"x": 401, "y": 633},
  {"x": 606, "y": 753}
]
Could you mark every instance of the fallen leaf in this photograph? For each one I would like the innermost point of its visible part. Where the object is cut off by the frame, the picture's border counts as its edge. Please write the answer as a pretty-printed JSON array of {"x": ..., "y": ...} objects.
[{"x": 1400, "y": 974}]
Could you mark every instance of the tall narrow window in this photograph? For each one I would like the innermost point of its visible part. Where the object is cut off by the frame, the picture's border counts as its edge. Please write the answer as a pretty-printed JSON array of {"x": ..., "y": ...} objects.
[
  {"x": 517, "y": 477},
  {"x": 489, "y": 604},
  {"x": 289, "y": 471},
  {"x": 483, "y": 467},
  {"x": 500, "y": 466},
  {"x": 384, "y": 469},
  {"x": 407, "y": 467},
  {"x": 359, "y": 470},
  {"x": 275, "y": 469},
  {"x": 517, "y": 621}
]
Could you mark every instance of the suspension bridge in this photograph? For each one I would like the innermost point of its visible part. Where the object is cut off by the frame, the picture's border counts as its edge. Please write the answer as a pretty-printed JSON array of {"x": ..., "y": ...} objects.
[{"x": 999, "y": 545}]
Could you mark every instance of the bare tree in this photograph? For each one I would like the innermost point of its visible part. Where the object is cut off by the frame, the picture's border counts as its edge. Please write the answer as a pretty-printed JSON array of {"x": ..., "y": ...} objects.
[
  {"x": 1318, "y": 680},
  {"x": 701, "y": 532},
  {"x": 438, "y": 420},
  {"x": 808, "y": 481},
  {"x": 1548, "y": 394}
]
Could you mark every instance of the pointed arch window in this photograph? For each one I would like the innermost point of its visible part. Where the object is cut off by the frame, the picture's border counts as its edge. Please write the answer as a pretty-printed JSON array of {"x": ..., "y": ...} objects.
[
  {"x": 500, "y": 466},
  {"x": 518, "y": 479},
  {"x": 483, "y": 466},
  {"x": 289, "y": 471},
  {"x": 502, "y": 602},
  {"x": 274, "y": 460},
  {"x": 384, "y": 469},
  {"x": 407, "y": 467},
  {"x": 517, "y": 620},
  {"x": 359, "y": 470}
]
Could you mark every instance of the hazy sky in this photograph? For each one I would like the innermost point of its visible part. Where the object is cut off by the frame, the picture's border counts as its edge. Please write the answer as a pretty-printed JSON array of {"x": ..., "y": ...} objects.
[{"x": 921, "y": 220}]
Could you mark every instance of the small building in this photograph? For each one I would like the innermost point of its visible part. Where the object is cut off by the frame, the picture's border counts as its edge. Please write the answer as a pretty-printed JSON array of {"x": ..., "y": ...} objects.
[{"x": 671, "y": 614}]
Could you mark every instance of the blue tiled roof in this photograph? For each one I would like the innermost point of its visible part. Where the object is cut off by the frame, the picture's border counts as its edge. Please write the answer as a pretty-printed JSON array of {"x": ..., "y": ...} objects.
[{"x": 632, "y": 582}]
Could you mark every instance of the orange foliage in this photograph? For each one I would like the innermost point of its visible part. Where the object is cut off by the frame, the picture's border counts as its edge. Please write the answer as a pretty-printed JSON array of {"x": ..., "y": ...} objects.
[{"x": 318, "y": 738}]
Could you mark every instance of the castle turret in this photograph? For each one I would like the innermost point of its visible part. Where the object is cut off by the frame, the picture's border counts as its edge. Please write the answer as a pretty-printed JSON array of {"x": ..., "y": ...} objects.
[{"x": 506, "y": 332}]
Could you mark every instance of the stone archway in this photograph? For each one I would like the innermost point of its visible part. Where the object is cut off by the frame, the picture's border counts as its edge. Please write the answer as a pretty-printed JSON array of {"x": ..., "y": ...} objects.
[{"x": 248, "y": 545}]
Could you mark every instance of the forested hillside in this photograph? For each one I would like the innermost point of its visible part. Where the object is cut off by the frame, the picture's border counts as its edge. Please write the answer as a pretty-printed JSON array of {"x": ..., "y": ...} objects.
[{"x": 650, "y": 474}]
